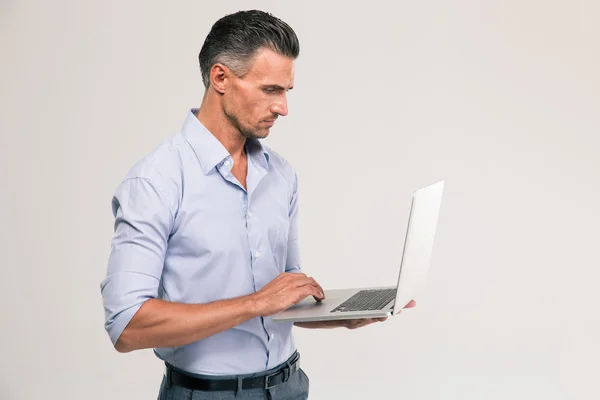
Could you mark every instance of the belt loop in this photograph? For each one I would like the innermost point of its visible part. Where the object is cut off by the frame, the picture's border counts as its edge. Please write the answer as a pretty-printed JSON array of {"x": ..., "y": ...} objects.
[
  {"x": 288, "y": 371},
  {"x": 238, "y": 390},
  {"x": 169, "y": 377}
]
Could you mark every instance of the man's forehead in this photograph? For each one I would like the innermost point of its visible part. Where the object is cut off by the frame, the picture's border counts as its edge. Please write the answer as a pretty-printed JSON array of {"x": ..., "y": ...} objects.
[{"x": 270, "y": 66}]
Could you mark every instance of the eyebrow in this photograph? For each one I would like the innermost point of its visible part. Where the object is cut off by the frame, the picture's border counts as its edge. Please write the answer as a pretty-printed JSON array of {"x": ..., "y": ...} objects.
[{"x": 277, "y": 87}]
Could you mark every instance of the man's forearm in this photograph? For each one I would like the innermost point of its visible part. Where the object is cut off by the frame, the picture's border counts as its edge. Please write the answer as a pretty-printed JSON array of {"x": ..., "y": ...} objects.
[{"x": 160, "y": 323}]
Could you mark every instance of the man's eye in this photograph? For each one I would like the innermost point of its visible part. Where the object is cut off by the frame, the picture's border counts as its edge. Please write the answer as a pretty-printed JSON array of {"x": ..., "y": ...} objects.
[{"x": 269, "y": 90}]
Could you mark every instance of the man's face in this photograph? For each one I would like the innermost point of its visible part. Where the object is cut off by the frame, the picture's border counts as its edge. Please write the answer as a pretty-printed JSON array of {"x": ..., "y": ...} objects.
[{"x": 253, "y": 103}]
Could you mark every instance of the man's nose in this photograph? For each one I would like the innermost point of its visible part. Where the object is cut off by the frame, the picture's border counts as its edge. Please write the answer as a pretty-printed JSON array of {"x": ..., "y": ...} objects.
[{"x": 280, "y": 107}]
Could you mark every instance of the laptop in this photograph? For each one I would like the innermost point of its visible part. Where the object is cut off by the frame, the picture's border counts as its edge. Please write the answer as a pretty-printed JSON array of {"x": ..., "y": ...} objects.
[{"x": 377, "y": 302}]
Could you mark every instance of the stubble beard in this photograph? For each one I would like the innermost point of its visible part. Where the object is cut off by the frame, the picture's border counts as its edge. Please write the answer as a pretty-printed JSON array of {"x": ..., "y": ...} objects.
[{"x": 245, "y": 131}]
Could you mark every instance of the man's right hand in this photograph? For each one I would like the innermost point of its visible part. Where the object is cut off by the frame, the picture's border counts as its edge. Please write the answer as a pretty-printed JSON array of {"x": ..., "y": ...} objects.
[{"x": 285, "y": 291}]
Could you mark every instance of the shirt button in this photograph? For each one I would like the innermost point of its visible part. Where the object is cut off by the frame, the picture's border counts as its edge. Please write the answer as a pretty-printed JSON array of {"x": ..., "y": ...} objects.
[
  {"x": 257, "y": 254},
  {"x": 272, "y": 336},
  {"x": 249, "y": 214},
  {"x": 226, "y": 163}
]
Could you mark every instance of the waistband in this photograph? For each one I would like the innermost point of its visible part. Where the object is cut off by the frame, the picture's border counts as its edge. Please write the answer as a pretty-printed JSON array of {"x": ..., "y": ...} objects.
[{"x": 264, "y": 380}]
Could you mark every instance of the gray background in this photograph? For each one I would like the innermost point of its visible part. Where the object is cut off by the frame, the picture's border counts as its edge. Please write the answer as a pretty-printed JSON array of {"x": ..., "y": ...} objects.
[{"x": 498, "y": 98}]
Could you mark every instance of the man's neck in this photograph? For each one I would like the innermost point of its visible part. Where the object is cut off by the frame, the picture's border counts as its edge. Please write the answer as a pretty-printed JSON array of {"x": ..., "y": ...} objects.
[{"x": 212, "y": 117}]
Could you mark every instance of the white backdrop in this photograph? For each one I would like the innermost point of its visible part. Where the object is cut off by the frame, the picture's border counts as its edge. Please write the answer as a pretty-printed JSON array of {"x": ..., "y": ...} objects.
[{"x": 498, "y": 98}]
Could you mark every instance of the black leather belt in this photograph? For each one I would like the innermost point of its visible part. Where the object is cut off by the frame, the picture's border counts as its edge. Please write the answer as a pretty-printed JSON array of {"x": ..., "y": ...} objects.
[{"x": 280, "y": 375}]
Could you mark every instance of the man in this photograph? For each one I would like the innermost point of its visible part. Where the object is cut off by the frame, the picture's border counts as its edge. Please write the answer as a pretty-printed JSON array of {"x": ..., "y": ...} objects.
[{"x": 205, "y": 248}]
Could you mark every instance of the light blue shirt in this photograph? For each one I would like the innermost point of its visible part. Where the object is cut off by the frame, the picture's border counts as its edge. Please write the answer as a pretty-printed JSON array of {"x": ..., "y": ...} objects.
[{"x": 187, "y": 231}]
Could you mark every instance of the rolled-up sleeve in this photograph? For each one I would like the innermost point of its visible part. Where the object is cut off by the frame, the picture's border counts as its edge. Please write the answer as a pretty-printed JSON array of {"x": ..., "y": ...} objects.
[{"x": 143, "y": 223}]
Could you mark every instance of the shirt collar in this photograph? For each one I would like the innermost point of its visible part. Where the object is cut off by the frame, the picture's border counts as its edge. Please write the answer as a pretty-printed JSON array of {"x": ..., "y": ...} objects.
[
  {"x": 209, "y": 151},
  {"x": 254, "y": 148}
]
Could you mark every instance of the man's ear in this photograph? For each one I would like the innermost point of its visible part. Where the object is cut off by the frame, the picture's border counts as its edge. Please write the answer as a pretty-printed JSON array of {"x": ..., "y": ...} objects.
[{"x": 219, "y": 74}]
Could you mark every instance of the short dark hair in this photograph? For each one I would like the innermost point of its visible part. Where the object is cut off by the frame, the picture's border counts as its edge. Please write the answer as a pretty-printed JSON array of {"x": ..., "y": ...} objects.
[{"x": 234, "y": 40}]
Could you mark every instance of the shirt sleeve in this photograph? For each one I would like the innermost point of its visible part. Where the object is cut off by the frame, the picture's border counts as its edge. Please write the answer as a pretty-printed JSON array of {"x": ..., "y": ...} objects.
[
  {"x": 143, "y": 223},
  {"x": 293, "y": 250}
]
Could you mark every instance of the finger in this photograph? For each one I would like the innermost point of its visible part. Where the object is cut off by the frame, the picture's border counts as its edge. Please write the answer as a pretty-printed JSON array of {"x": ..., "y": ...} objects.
[
  {"x": 308, "y": 290},
  {"x": 411, "y": 304},
  {"x": 320, "y": 296},
  {"x": 357, "y": 323},
  {"x": 316, "y": 284},
  {"x": 319, "y": 287},
  {"x": 311, "y": 282},
  {"x": 352, "y": 324},
  {"x": 304, "y": 281},
  {"x": 364, "y": 323}
]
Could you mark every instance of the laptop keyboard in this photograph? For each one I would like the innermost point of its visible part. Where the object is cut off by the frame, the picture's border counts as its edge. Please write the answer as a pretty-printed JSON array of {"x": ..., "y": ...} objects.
[{"x": 367, "y": 300}]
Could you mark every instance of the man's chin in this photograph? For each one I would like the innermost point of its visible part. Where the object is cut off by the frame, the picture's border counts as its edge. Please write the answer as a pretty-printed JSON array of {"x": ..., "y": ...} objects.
[
  {"x": 264, "y": 134},
  {"x": 260, "y": 134}
]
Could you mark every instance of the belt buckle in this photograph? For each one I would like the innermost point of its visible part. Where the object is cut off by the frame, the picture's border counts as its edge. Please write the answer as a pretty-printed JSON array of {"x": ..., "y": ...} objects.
[
  {"x": 267, "y": 386},
  {"x": 286, "y": 376}
]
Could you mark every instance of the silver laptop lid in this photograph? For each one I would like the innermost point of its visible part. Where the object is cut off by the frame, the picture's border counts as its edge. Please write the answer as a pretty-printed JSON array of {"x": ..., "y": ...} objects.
[{"x": 418, "y": 244}]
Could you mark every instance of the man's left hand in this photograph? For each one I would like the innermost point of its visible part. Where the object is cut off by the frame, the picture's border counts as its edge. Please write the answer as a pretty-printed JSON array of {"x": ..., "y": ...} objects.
[
  {"x": 359, "y": 323},
  {"x": 347, "y": 323}
]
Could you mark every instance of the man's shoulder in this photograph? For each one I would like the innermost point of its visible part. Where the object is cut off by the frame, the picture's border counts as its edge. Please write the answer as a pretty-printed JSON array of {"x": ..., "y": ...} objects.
[
  {"x": 161, "y": 168},
  {"x": 160, "y": 162}
]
